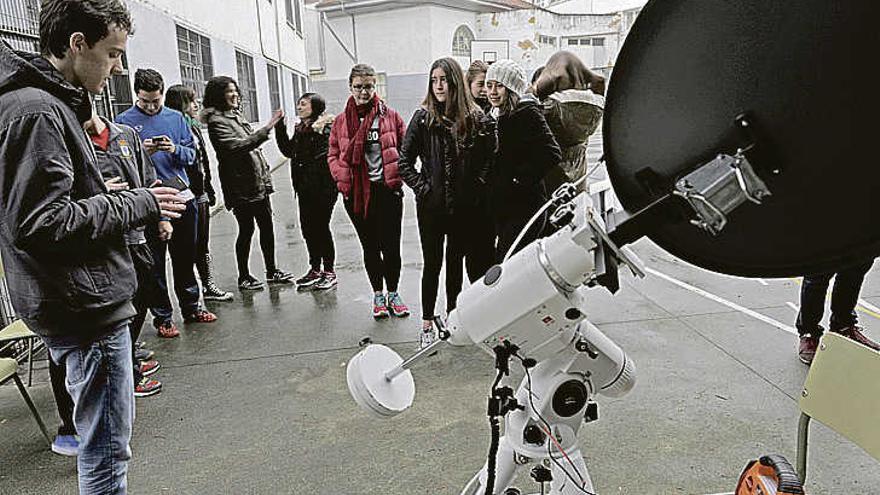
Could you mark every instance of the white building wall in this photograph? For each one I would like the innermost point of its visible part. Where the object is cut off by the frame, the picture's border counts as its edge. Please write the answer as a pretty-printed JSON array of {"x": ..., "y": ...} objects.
[
  {"x": 230, "y": 25},
  {"x": 594, "y": 6},
  {"x": 524, "y": 27},
  {"x": 144, "y": 49},
  {"x": 444, "y": 24},
  {"x": 402, "y": 44}
]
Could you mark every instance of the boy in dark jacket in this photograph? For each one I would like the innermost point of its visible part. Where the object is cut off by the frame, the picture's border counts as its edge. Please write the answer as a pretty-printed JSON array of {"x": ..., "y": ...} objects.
[{"x": 70, "y": 276}]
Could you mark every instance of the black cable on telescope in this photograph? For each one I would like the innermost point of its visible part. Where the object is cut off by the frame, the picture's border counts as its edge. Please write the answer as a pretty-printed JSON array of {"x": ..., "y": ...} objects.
[
  {"x": 493, "y": 453},
  {"x": 501, "y": 401}
]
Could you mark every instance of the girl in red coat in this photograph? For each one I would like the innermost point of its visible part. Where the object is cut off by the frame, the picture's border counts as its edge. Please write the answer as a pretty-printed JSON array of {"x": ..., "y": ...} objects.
[{"x": 363, "y": 160}]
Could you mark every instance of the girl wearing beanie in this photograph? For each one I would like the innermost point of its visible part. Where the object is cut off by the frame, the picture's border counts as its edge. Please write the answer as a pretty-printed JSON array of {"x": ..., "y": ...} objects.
[
  {"x": 527, "y": 151},
  {"x": 455, "y": 143},
  {"x": 363, "y": 158},
  {"x": 314, "y": 187}
]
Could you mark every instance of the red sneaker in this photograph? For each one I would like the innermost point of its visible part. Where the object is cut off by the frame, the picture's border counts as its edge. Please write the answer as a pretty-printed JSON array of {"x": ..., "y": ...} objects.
[
  {"x": 167, "y": 330},
  {"x": 854, "y": 333},
  {"x": 201, "y": 316},
  {"x": 807, "y": 348},
  {"x": 396, "y": 306},
  {"x": 147, "y": 387},
  {"x": 147, "y": 368},
  {"x": 380, "y": 310}
]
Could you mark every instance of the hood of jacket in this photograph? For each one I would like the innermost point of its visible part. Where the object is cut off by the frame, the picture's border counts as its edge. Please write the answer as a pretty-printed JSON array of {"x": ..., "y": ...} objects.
[
  {"x": 23, "y": 70},
  {"x": 325, "y": 121},
  {"x": 573, "y": 115}
]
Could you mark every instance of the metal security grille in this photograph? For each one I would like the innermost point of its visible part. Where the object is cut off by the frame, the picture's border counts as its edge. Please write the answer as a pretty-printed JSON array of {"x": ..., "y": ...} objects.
[
  {"x": 247, "y": 84},
  {"x": 117, "y": 97},
  {"x": 19, "y": 24},
  {"x": 196, "y": 63},
  {"x": 19, "y": 27}
]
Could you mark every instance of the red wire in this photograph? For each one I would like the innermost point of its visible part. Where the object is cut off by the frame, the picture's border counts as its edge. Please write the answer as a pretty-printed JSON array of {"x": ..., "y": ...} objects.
[{"x": 559, "y": 448}]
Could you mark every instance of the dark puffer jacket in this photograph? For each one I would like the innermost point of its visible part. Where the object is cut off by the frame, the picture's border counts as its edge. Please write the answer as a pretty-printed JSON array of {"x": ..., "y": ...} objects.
[
  {"x": 69, "y": 272},
  {"x": 453, "y": 176},
  {"x": 244, "y": 173},
  {"x": 307, "y": 151},
  {"x": 527, "y": 151}
]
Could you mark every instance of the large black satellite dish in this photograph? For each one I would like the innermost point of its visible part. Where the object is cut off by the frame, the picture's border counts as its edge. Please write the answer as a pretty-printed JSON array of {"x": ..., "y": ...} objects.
[{"x": 802, "y": 72}]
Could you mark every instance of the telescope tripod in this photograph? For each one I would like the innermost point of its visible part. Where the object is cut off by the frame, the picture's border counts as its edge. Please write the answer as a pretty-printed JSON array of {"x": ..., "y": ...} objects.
[{"x": 543, "y": 417}]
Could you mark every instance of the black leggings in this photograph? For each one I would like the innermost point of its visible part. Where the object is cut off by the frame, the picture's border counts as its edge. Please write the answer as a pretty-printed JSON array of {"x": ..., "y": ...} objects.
[
  {"x": 314, "y": 216},
  {"x": 434, "y": 229},
  {"x": 245, "y": 215},
  {"x": 467, "y": 236},
  {"x": 379, "y": 234}
]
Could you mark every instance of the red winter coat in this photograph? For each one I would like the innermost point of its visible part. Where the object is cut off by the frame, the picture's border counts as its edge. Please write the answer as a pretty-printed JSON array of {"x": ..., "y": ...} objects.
[{"x": 391, "y": 131}]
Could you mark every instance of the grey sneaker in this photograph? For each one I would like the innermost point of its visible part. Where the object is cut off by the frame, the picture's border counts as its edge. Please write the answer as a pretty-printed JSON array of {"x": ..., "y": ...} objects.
[
  {"x": 277, "y": 276},
  {"x": 327, "y": 282},
  {"x": 249, "y": 283}
]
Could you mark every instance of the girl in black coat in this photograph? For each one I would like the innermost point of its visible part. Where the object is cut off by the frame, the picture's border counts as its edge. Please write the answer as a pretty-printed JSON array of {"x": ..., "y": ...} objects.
[
  {"x": 455, "y": 142},
  {"x": 527, "y": 151},
  {"x": 313, "y": 185}
]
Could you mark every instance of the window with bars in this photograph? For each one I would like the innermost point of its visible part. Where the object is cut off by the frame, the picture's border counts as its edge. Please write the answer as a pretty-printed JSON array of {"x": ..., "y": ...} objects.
[
  {"x": 117, "y": 96},
  {"x": 20, "y": 17},
  {"x": 547, "y": 40},
  {"x": 294, "y": 15},
  {"x": 274, "y": 90},
  {"x": 461, "y": 42},
  {"x": 247, "y": 85},
  {"x": 19, "y": 24},
  {"x": 382, "y": 84},
  {"x": 196, "y": 62}
]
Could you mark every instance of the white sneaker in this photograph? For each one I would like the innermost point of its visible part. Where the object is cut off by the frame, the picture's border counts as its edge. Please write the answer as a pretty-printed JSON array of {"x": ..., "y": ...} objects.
[{"x": 426, "y": 337}]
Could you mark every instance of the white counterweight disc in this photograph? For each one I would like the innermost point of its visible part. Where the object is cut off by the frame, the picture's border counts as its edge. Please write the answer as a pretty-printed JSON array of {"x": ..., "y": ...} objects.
[{"x": 369, "y": 387}]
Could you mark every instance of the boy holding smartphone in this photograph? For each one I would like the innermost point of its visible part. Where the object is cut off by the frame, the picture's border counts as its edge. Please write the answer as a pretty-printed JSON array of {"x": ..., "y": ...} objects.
[{"x": 168, "y": 140}]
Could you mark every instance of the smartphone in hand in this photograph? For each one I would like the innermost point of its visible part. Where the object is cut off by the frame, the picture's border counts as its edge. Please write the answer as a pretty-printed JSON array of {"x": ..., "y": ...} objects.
[{"x": 177, "y": 183}]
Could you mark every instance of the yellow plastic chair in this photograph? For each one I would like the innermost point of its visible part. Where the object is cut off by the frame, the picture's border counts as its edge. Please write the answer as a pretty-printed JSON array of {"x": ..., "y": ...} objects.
[
  {"x": 842, "y": 392},
  {"x": 9, "y": 370},
  {"x": 17, "y": 330}
]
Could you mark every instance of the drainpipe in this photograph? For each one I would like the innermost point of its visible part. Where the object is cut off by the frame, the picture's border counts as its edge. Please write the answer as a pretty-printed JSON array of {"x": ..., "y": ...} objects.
[
  {"x": 329, "y": 27},
  {"x": 354, "y": 36}
]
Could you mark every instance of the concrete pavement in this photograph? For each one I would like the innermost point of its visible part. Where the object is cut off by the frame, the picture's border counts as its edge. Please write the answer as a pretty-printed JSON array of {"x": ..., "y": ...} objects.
[{"x": 257, "y": 403}]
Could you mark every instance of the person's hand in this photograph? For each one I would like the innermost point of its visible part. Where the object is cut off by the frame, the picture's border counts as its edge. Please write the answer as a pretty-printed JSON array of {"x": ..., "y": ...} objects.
[
  {"x": 164, "y": 144},
  {"x": 277, "y": 116},
  {"x": 116, "y": 184},
  {"x": 165, "y": 230},
  {"x": 150, "y": 146},
  {"x": 170, "y": 202},
  {"x": 597, "y": 83}
]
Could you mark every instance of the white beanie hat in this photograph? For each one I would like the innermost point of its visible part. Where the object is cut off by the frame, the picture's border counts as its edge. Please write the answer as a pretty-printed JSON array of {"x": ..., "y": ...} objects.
[{"x": 508, "y": 73}]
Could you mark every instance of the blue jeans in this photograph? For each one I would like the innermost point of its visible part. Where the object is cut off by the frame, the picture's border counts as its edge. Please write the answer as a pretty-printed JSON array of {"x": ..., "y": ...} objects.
[{"x": 100, "y": 382}]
